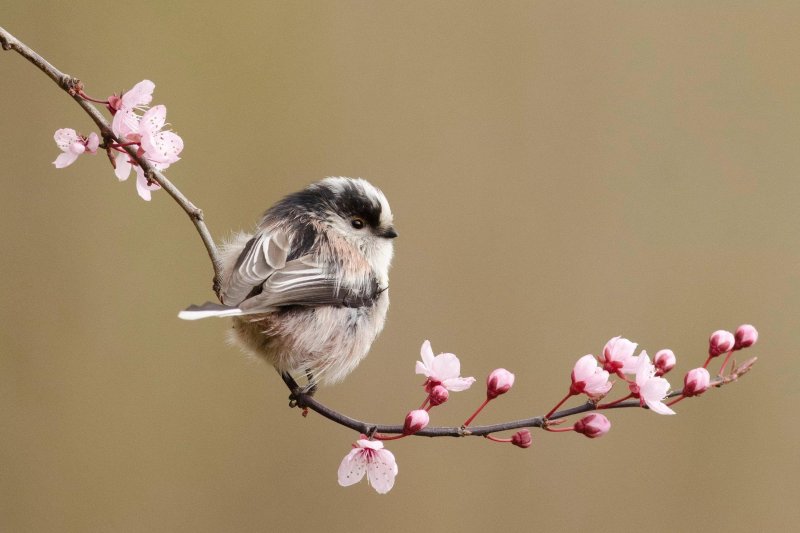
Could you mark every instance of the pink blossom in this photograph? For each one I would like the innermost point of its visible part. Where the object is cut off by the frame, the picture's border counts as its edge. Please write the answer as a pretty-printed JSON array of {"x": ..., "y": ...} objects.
[
  {"x": 618, "y": 356},
  {"x": 696, "y": 382},
  {"x": 443, "y": 369},
  {"x": 415, "y": 421},
  {"x": 122, "y": 107},
  {"x": 438, "y": 395},
  {"x": 664, "y": 361},
  {"x": 593, "y": 425},
  {"x": 499, "y": 382},
  {"x": 720, "y": 342},
  {"x": 369, "y": 457},
  {"x": 650, "y": 390},
  {"x": 522, "y": 438},
  {"x": 589, "y": 379},
  {"x": 73, "y": 145},
  {"x": 746, "y": 336}
]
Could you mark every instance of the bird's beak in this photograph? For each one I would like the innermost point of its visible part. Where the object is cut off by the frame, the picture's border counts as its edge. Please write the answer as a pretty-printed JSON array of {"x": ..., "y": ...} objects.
[{"x": 388, "y": 233}]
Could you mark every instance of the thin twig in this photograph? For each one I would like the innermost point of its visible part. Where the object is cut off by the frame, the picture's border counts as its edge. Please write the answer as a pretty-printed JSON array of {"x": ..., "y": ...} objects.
[{"x": 70, "y": 84}]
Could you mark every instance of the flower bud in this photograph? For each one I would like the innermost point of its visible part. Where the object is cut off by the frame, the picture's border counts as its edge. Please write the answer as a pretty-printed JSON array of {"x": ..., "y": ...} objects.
[
  {"x": 593, "y": 425},
  {"x": 522, "y": 438},
  {"x": 746, "y": 336},
  {"x": 720, "y": 342},
  {"x": 499, "y": 382},
  {"x": 696, "y": 382},
  {"x": 664, "y": 361},
  {"x": 415, "y": 421},
  {"x": 438, "y": 395}
]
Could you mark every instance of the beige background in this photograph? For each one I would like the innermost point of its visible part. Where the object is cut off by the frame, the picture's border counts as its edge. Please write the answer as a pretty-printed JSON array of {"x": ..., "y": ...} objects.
[{"x": 560, "y": 173}]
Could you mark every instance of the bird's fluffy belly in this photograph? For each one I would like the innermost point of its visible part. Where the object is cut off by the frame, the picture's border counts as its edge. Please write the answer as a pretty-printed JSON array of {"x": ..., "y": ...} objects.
[{"x": 328, "y": 341}]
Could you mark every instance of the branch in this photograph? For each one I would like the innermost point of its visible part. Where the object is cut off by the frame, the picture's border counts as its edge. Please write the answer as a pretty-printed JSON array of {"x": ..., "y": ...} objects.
[
  {"x": 71, "y": 85},
  {"x": 305, "y": 400}
]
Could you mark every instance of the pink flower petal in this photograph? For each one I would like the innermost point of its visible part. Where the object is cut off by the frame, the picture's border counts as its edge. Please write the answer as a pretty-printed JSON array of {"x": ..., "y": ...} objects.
[
  {"x": 381, "y": 471},
  {"x": 65, "y": 159},
  {"x": 458, "y": 384},
  {"x": 352, "y": 468},
  {"x": 140, "y": 95},
  {"x": 93, "y": 142},
  {"x": 426, "y": 352},
  {"x": 446, "y": 366},
  {"x": 142, "y": 186},
  {"x": 65, "y": 137},
  {"x": 122, "y": 166}
]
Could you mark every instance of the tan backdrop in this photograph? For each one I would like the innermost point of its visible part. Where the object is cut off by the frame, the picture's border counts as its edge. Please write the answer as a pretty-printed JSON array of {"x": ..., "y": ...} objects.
[{"x": 560, "y": 172}]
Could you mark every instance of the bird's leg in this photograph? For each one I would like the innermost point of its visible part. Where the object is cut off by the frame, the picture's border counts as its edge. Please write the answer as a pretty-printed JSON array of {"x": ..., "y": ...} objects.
[{"x": 311, "y": 387}]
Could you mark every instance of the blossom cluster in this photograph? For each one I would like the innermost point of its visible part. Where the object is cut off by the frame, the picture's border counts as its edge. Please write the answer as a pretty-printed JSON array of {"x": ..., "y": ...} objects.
[
  {"x": 591, "y": 376},
  {"x": 135, "y": 125}
]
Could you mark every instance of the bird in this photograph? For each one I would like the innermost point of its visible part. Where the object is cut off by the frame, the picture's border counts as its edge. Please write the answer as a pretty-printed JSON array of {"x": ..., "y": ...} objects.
[{"x": 308, "y": 290}]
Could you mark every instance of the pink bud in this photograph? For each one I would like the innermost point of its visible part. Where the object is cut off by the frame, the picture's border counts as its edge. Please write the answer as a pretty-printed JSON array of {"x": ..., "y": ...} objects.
[
  {"x": 746, "y": 336},
  {"x": 415, "y": 421},
  {"x": 720, "y": 342},
  {"x": 438, "y": 395},
  {"x": 696, "y": 382},
  {"x": 664, "y": 361},
  {"x": 522, "y": 438},
  {"x": 593, "y": 425},
  {"x": 499, "y": 382}
]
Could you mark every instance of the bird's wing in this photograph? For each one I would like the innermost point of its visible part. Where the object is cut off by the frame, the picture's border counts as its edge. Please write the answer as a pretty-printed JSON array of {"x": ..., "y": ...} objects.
[
  {"x": 303, "y": 282},
  {"x": 263, "y": 278},
  {"x": 264, "y": 254}
]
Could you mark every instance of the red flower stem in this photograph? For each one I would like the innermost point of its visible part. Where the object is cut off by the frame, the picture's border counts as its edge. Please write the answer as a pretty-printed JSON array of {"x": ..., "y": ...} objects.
[
  {"x": 725, "y": 363},
  {"x": 496, "y": 439},
  {"x": 425, "y": 403},
  {"x": 381, "y": 436},
  {"x": 710, "y": 357},
  {"x": 676, "y": 400},
  {"x": 559, "y": 430},
  {"x": 90, "y": 99},
  {"x": 559, "y": 404},
  {"x": 470, "y": 419},
  {"x": 615, "y": 402}
]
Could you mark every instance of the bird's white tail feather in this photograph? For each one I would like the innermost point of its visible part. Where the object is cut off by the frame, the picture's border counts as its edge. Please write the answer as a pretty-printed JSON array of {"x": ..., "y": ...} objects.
[{"x": 208, "y": 309}]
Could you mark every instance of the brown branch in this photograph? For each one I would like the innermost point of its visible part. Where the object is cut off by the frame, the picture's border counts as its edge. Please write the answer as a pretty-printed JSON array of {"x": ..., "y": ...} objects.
[
  {"x": 71, "y": 85},
  {"x": 299, "y": 396}
]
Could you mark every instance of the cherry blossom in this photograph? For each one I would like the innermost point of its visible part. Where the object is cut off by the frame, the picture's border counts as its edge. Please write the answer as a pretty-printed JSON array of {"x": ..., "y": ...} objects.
[
  {"x": 499, "y": 382},
  {"x": 124, "y": 107},
  {"x": 369, "y": 457},
  {"x": 696, "y": 382},
  {"x": 73, "y": 145},
  {"x": 746, "y": 336},
  {"x": 415, "y": 421},
  {"x": 664, "y": 361},
  {"x": 721, "y": 341},
  {"x": 443, "y": 369},
  {"x": 650, "y": 390},
  {"x": 589, "y": 379},
  {"x": 593, "y": 425},
  {"x": 618, "y": 356}
]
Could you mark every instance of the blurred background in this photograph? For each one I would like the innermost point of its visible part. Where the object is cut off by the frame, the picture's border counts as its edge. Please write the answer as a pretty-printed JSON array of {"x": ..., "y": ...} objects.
[{"x": 561, "y": 173}]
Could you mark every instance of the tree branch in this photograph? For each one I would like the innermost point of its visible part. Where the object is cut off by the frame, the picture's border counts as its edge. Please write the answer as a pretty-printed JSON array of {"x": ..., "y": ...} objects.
[{"x": 71, "y": 85}]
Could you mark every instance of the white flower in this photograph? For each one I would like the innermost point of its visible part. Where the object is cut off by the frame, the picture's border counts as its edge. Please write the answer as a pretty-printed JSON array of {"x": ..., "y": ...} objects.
[
  {"x": 443, "y": 369},
  {"x": 73, "y": 145},
  {"x": 650, "y": 389},
  {"x": 589, "y": 379},
  {"x": 370, "y": 457}
]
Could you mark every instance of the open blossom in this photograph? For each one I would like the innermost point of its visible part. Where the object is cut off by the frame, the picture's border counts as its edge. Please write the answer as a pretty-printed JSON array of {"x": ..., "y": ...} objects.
[
  {"x": 589, "y": 379},
  {"x": 73, "y": 145},
  {"x": 138, "y": 97},
  {"x": 443, "y": 369},
  {"x": 650, "y": 390},
  {"x": 499, "y": 382},
  {"x": 618, "y": 356},
  {"x": 369, "y": 457}
]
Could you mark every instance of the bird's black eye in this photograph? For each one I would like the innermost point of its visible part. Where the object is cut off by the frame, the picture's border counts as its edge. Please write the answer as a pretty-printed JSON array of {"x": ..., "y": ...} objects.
[{"x": 357, "y": 223}]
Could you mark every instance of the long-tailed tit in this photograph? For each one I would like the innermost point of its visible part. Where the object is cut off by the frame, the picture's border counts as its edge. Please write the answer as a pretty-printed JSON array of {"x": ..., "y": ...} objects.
[{"x": 308, "y": 290}]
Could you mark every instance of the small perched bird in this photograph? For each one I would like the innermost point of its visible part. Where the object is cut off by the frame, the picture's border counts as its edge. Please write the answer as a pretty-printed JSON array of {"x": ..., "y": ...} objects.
[{"x": 308, "y": 290}]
